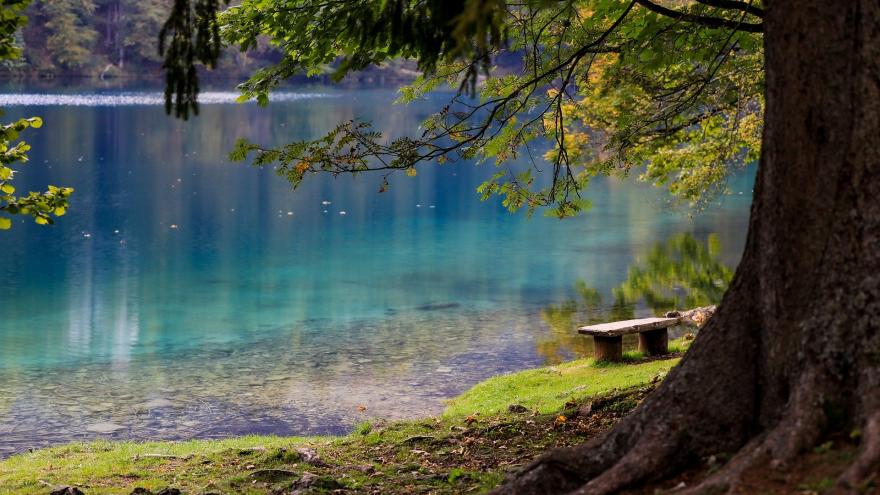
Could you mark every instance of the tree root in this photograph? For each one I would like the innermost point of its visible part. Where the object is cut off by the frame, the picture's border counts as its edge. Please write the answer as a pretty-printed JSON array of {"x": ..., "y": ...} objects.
[
  {"x": 778, "y": 447},
  {"x": 640, "y": 450},
  {"x": 867, "y": 462},
  {"x": 632, "y": 468},
  {"x": 798, "y": 429},
  {"x": 603, "y": 465},
  {"x": 655, "y": 454}
]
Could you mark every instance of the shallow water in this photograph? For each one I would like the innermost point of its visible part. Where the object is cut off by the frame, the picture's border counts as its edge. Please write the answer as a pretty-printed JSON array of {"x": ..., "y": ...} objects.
[{"x": 184, "y": 296}]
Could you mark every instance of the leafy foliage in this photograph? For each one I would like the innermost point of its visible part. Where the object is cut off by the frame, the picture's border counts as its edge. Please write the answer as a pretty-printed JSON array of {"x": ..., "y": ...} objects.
[
  {"x": 313, "y": 34},
  {"x": 11, "y": 20},
  {"x": 191, "y": 34},
  {"x": 42, "y": 206},
  {"x": 610, "y": 85}
]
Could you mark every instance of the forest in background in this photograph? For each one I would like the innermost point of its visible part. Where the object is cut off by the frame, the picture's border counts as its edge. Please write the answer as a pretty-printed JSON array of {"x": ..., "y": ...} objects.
[
  {"x": 106, "y": 38},
  {"x": 119, "y": 38}
]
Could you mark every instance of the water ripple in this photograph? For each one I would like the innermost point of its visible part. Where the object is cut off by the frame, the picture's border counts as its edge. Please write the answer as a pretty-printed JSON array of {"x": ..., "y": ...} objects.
[{"x": 135, "y": 98}]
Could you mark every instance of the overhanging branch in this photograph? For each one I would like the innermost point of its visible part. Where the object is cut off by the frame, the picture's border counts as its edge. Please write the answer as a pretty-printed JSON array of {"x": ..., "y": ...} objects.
[
  {"x": 713, "y": 22},
  {"x": 735, "y": 5}
]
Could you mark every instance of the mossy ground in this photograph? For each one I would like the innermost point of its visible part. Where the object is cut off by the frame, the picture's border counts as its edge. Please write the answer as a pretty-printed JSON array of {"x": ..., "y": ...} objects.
[{"x": 468, "y": 449}]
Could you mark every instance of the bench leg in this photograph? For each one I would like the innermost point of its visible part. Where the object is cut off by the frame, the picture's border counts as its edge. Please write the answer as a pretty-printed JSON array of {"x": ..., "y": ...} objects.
[
  {"x": 608, "y": 348},
  {"x": 654, "y": 342}
]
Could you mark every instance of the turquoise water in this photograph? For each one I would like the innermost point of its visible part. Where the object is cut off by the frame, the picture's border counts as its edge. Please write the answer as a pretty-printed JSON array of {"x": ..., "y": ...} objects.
[{"x": 185, "y": 296}]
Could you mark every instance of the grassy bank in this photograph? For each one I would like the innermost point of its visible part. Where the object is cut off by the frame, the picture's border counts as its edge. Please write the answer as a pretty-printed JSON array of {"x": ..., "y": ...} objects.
[{"x": 467, "y": 449}]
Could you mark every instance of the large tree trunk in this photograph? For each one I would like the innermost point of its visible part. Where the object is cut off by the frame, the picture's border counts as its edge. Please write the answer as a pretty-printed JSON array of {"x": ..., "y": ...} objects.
[{"x": 793, "y": 352}]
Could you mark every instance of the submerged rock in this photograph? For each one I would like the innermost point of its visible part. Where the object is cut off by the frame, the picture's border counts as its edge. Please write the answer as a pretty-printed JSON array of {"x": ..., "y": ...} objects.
[
  {"x": 437, "y": 306},
  {"x": 104, "y": 428}
]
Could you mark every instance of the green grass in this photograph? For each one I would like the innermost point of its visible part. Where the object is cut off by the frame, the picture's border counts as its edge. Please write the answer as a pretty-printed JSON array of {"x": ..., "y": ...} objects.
[
  {"x": 455, "y": 452},
  {"x": 548, "y": 389},
  {"x": 82, "y": 463}
]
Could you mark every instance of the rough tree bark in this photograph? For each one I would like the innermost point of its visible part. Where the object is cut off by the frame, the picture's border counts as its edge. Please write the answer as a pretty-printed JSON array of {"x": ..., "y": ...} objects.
[{"x": 793, "y": 351}]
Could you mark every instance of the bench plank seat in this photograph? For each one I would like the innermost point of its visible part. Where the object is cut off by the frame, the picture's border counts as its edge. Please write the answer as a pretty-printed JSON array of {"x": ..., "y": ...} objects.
[
  {"x": 625, "y": 327},
  {"x": 608, "y": 337}
]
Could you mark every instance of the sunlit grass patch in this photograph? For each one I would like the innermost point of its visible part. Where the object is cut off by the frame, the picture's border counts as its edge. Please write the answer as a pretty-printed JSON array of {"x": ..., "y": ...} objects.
[
  {"x": 147, "y": 464},
  {"x": 548, "y": 389}
]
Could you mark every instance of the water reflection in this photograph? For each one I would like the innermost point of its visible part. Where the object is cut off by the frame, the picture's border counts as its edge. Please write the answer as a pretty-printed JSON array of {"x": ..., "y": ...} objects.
[{"x": 680, "y": 273}]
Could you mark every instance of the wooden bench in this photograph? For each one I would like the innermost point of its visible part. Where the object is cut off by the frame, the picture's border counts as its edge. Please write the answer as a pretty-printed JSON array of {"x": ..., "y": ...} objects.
[
  {"x": 608, "y": 337},
  {"x": 653, "y": 333}
]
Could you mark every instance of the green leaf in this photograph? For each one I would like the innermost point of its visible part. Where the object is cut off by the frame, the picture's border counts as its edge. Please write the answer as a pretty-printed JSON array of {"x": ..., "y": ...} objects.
[{"x": 5, "y": 223}]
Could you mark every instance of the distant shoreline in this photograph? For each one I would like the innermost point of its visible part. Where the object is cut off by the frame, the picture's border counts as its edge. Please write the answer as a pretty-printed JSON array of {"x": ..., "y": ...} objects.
[{"x": 139, "y": 98}]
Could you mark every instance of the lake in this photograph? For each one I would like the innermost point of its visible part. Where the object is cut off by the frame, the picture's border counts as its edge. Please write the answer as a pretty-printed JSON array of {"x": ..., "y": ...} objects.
[{"x": 186, "y": 296}]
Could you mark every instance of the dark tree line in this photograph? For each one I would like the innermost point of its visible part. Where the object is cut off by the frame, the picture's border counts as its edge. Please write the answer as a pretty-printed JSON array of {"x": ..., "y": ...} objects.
[{"x": 104, "y": 38}]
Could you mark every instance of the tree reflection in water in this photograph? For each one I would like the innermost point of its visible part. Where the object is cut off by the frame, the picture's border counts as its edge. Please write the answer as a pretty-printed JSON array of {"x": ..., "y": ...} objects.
[{"x": 681, "y": 273}]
